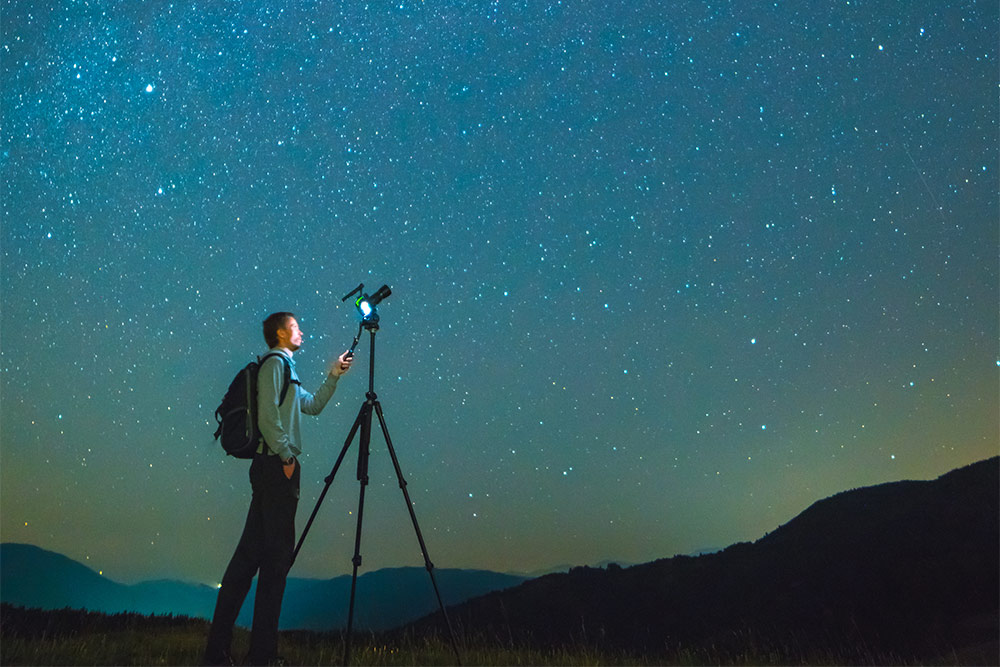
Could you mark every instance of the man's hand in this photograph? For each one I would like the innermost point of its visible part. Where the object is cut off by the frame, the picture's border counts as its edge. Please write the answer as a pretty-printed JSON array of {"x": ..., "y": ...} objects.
[
  {"x": 288, "y": 466},
  {"x": 341, "y": 365}
]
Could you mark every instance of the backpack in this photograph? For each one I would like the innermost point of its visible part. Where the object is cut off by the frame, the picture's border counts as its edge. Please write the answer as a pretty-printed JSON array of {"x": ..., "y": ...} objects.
[{"x": 237, "y": 414}]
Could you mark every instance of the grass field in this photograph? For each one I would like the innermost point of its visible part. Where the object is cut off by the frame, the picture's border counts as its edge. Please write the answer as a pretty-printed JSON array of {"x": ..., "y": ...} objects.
[
  {"x": 33, "y": 637},
  {"x": 184, "y": 646}
]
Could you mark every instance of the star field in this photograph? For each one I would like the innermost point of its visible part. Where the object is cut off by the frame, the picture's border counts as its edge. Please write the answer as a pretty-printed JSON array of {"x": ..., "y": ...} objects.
[{"x": 661, "y": 279}]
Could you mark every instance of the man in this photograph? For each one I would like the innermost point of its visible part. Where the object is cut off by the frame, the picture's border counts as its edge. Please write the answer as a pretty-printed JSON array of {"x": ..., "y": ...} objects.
[{"x": 268, "y": 540}]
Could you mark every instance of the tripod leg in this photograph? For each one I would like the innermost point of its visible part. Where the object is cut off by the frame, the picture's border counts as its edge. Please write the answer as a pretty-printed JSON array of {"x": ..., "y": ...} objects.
[
  {"x": 416, "y": 527},
  {"x": 329, "y": 481},
  {"x": 365, "y": 419}
]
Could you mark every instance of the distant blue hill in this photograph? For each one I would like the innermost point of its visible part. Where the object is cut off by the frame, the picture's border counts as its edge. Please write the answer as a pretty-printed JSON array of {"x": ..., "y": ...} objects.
[{"x": 34, "y": 577}]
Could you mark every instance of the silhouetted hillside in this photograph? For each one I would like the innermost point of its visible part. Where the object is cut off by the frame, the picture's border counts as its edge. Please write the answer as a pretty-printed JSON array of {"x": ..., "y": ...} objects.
[
  {"x": 906, "y": 568},
  {"x": 21, "y": 623},
  {"x": 35, "y": 578},
  {"x": 385, "y": 598}
]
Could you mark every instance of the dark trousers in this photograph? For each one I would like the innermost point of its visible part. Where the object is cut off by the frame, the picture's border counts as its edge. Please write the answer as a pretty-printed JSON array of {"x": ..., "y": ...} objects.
[{"x": 266, "y": 547}]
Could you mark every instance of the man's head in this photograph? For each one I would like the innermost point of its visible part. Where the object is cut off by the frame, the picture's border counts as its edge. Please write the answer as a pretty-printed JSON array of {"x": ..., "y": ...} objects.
[{"x": 282, "y": 330}]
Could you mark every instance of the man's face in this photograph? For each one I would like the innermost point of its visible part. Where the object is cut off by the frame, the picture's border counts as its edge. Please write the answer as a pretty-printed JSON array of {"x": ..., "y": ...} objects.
[{"x": 290, "y": 336}]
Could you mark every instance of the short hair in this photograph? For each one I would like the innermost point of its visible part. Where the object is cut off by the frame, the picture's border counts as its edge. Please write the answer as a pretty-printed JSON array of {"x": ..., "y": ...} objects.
[{"x": 274, "y": 322}]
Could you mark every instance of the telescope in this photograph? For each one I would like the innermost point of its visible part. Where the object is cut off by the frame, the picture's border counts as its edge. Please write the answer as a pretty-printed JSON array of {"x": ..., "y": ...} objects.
[{"x": 366, "y": 305}]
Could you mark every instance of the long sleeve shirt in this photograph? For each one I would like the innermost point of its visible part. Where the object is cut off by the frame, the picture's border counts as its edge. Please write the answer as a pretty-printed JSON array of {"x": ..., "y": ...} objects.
[{"x": 280, "y": 425}]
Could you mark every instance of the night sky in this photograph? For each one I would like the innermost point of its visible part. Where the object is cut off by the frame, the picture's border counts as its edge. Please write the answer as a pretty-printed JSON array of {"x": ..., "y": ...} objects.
[{"x": 663, "y": 274}]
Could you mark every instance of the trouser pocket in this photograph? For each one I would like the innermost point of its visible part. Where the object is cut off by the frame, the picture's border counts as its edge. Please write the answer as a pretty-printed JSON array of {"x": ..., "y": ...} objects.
[{"x": 267, "y": 475}]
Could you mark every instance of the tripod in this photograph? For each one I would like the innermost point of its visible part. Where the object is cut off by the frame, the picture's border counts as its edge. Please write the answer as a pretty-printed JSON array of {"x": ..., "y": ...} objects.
[{"x": 363, "y": 422}]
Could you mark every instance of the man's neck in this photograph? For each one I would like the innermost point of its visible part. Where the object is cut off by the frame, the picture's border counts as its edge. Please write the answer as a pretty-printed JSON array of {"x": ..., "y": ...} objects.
[{"x": 284, "y": 349}]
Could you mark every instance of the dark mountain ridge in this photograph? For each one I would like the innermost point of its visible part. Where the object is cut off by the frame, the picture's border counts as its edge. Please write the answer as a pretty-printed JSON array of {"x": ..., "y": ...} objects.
[
  {"x": 901, "y": 569},
  {"x": 37, "y": 578}
]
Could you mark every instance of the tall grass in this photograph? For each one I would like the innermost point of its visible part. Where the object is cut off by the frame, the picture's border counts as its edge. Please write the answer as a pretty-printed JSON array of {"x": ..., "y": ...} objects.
[
  {"x": 47, "y": 638},
  {"x": 184, "y": 646}
]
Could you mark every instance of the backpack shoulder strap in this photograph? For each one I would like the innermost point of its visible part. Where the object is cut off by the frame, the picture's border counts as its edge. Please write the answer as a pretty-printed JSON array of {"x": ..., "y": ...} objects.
[{"x": 287, "y": 374}]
